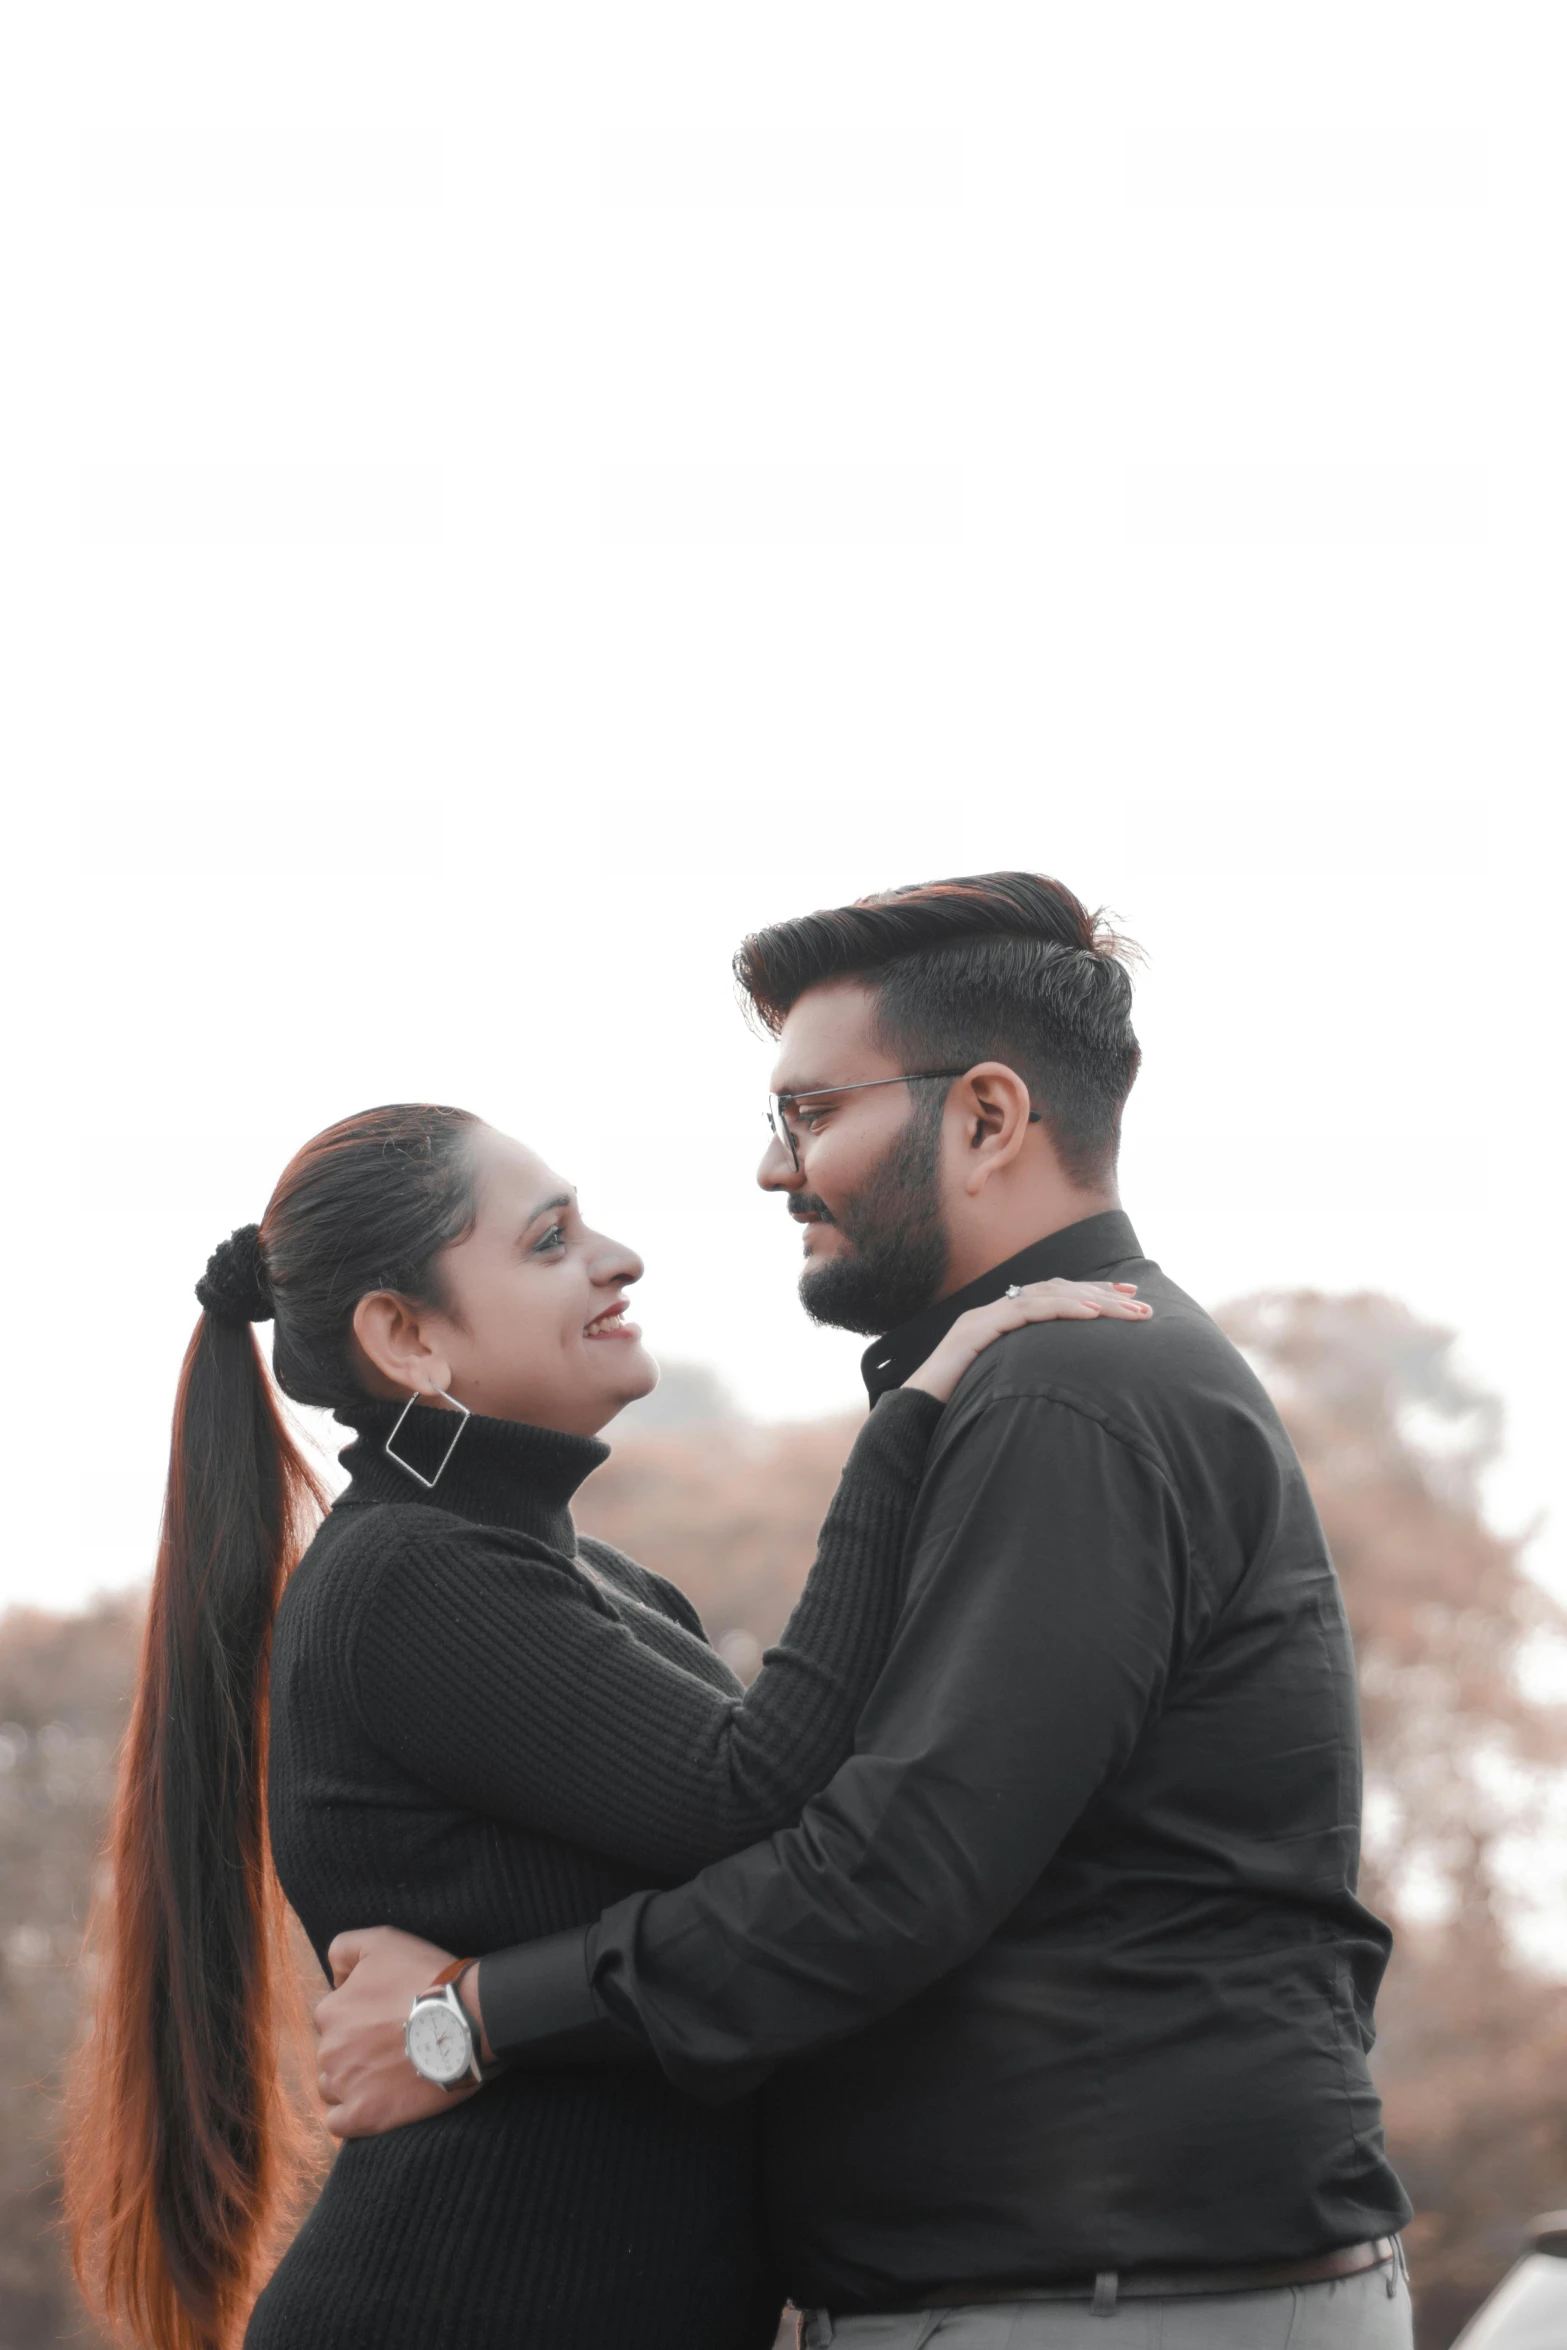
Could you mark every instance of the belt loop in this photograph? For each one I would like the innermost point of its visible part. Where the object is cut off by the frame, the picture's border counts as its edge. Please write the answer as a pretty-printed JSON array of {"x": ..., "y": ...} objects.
[
  {"x": 1107, "y": 2287},
  {"x": 1398, "y": 2267}
]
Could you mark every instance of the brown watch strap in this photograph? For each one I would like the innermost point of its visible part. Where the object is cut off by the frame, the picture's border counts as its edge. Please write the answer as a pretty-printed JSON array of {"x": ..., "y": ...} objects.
[
  {"x": 450, "y": 1973},
  {"x": 453, "y": 1972}
]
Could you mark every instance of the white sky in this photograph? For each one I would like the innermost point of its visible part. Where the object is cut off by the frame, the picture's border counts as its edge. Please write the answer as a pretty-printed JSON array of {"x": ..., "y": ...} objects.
[{"x": 509, "y": 500}]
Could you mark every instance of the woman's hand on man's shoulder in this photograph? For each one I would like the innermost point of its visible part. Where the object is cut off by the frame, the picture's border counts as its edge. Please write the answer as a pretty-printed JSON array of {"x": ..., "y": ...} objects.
[{"x": 1034, "y": 1301}]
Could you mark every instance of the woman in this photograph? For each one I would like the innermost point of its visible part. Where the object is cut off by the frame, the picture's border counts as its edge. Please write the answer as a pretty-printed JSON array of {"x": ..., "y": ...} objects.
[{"x": 481, "y": 1730}]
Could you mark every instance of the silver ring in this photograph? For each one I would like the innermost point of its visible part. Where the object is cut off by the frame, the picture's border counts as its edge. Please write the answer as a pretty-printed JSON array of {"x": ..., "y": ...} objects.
[{"x": 1013, "y": 1289}]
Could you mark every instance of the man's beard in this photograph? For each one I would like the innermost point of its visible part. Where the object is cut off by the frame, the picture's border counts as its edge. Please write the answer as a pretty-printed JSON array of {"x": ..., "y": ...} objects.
[{"x": 894, "y": 1230}]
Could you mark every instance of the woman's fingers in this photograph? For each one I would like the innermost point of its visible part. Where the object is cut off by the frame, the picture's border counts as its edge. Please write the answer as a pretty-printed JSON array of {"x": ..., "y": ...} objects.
[
  {"x": 1074, "y": 1309},
  {"x": 1076, "y": 1301},
  {"x": 1037, "y": 1301}
]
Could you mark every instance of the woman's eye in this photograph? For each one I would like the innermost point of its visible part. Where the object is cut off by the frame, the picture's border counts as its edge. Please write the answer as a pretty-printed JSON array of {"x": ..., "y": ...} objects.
[{"x": 553, "y": 1239}]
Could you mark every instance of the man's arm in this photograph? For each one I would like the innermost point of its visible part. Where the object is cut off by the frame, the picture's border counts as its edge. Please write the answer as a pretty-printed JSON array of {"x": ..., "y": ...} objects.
[{"x": 1044, "y": 1597}]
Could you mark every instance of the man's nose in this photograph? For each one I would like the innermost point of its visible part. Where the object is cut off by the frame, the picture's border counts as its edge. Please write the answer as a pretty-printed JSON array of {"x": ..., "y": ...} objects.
[{"x": 778, "y": 1171}]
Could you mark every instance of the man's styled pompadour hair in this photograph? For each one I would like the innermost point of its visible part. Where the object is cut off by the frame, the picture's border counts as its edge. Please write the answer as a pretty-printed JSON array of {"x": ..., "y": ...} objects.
[{"x": 992, "y": 967}]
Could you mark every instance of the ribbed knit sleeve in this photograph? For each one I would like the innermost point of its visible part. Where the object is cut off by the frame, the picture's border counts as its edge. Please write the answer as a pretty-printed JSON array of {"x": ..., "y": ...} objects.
[{"x": 492, "y": 1671}]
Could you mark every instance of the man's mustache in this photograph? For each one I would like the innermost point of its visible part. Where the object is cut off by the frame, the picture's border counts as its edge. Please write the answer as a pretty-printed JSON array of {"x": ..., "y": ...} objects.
[{"x": 806, "y": 1203}]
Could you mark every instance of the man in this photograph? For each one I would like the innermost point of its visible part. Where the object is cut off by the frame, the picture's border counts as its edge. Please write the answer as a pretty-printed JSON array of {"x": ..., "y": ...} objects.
[{"x": 1060, "y": 1990}]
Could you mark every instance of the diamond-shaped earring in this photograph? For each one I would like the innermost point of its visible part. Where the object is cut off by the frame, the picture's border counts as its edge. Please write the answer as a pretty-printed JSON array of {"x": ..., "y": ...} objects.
[{"x": 407, "y": 1467}]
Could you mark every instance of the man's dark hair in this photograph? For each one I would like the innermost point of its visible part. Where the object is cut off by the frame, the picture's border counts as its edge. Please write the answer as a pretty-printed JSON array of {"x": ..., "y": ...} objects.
[{"x": 992, "y": 967}]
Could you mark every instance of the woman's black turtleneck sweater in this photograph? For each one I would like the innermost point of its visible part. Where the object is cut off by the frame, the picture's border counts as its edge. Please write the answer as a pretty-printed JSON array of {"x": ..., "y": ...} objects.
[{"x": 484, "y": 1730}]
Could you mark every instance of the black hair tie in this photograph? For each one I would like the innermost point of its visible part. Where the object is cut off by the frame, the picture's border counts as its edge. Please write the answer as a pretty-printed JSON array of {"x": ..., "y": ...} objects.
[{"x": 235, "y": 1288}]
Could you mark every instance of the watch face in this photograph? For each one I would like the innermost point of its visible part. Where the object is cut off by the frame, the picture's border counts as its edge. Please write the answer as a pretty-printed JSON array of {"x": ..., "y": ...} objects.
[{"x": 437, "y": 2043}]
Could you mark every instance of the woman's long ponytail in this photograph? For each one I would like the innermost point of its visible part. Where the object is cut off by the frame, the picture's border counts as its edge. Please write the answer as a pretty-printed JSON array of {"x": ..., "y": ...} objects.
[
  {"x": 182, "y": 2141},
  {"x": 183, "y": 2149}
]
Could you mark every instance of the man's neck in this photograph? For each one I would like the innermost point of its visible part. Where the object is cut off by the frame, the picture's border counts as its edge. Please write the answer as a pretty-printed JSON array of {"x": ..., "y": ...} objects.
[{"x": 1017, "y": 1226}]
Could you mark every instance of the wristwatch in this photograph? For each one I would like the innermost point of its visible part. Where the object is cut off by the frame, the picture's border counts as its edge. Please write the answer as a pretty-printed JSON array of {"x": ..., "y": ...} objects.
[{"x": 439, "y": 2036}]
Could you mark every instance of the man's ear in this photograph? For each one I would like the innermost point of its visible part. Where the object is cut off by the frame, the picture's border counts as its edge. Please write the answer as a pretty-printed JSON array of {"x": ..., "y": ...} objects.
[
  {"x": 997, "y": 1113},
  {"x": 395, "y": 1347}
]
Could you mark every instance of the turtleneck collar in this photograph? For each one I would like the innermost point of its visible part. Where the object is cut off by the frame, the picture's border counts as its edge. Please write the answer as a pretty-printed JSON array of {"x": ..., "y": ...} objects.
[{"x": 501, "y": 1472}]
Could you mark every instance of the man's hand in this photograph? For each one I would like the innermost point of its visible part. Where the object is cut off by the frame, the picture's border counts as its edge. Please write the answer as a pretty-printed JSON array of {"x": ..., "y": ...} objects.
[{"x": 365, "y": 2076}]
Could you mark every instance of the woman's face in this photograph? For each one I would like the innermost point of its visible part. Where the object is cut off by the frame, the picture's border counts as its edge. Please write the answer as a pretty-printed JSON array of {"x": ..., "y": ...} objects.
[{"x": 533, "y": 1323}]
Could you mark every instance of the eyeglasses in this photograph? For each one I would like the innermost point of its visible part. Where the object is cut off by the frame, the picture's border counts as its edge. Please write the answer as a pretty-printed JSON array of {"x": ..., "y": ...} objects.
[{"x": 776, "y": 1103}]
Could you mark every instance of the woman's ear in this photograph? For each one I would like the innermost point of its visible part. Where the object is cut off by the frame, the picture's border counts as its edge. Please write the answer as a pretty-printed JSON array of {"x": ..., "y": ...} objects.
[{"x": 396, "y": 1350}]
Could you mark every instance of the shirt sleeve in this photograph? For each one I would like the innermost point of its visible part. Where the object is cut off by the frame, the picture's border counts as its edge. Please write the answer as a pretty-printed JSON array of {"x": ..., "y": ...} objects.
[
  {"x": 1045, "y": 1590},
  {"x": 495, "y": 1674}
]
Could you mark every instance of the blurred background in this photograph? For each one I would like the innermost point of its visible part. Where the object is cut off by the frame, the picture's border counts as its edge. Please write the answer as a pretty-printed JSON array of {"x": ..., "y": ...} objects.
[{"x": 495, "y": 511}]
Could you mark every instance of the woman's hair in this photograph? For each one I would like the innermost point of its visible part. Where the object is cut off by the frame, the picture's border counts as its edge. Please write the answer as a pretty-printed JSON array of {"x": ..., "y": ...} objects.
[
  {"x": 183, "y": 2143},
  {"x": 993, "y": 966}
]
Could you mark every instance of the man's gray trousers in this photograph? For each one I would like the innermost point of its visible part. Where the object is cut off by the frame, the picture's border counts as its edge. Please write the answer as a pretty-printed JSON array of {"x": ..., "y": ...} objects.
[{"x": 1366, "y": 2312}]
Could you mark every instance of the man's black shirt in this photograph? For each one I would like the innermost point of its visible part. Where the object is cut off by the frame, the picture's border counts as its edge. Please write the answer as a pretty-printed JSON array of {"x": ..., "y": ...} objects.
[{"x": 1064, "y": 1971}]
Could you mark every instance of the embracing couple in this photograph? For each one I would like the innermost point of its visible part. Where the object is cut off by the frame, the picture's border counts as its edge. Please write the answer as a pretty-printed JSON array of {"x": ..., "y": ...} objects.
[{"x": 989, "y": 1972}]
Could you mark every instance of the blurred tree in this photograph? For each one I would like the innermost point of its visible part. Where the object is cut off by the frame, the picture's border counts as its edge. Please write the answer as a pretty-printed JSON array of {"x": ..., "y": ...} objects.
[
  {"x": 1459, "y": 1756},
  {"x": 1473, "y": 2060},
  {"x": 728, "y": 1511},
  {"x": 64, "y": 1684}
]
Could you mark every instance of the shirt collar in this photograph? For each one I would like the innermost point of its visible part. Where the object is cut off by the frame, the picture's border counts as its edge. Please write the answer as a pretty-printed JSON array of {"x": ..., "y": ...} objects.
[{"x": 1074, "y": 1253}]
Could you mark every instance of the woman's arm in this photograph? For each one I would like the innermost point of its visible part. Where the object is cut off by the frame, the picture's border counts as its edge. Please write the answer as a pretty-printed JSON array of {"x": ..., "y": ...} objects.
[
  {"x": 506, "y": 1682},
  {"x": 511, "y": 1686}
]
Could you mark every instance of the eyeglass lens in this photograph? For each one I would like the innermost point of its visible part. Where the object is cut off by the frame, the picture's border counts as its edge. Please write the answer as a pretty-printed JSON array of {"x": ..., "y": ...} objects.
[{"x": 783, "y": 1132}]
